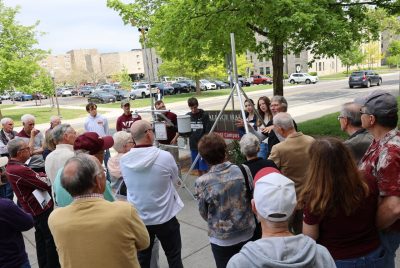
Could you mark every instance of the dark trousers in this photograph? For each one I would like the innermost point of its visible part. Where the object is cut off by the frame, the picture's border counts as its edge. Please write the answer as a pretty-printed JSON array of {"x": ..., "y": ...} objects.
[
  {"x": 170, "y": 237},
  {"x": 223, "y": 254},
  {"x": 45, "y": 248}
]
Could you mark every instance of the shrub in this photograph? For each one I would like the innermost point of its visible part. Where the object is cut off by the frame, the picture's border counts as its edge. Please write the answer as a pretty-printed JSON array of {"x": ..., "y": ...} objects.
[{"x": 313, "y": 73}]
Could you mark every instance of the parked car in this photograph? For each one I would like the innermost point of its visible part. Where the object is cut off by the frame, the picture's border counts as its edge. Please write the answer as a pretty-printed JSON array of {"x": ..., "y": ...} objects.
[
  {"x": 118, "y": 94},
  {"x": 244, "y": 82},
  {"x": 190, "y": 83},
  {"x": 207, "y": 84},
  {"x": 38, "y": 96},
  {"x": 101, "y": 97},
  {"x": 86, "y": 91},
  {"x": 260, "y": 79},
  {"x": 220, "y": 84},
  {"x": 180, "y": 87},
  {"x": 19, "y": 96},
  {"x": 364, "y": 79},
  {"x": 66, "y": 93},
  {"x": 302, "y": 78},
  {"x": 5, "y": 96},
  {"x": 141, "y": 90},
  {"x": 104, "y": 87},
  {"x": 165, "y": 88}
]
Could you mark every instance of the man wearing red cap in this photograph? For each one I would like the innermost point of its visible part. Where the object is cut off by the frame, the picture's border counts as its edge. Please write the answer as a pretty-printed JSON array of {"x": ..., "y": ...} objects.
[{"x": 95, "y": 145}]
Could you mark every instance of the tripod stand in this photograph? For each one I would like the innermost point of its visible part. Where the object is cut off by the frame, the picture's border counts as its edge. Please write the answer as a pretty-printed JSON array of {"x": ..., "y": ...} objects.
[{"x": 240, "y": 93}]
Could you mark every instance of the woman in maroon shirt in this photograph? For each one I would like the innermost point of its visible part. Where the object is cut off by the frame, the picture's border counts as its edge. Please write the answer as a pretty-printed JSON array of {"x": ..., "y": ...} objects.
[{"x": 340, "y": 206}]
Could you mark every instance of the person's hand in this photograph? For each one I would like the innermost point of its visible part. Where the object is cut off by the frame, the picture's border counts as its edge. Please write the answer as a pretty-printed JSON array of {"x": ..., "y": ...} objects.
[
  {"x": 267, "y": 129},
  {"x": 34, "y": 132},
  {"x": 239, "y": 122},
  {"x": 174, "y": 141}
]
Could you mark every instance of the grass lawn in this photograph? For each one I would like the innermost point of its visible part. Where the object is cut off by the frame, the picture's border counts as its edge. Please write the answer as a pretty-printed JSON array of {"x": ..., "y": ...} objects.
[
  {"x": 327, "y": 125},
  {"x": 380, "y": 70},
  {"x": 42, "y": 114},
  {"x": 3, "y": 106},
  {"x": 184, "y": 96}
]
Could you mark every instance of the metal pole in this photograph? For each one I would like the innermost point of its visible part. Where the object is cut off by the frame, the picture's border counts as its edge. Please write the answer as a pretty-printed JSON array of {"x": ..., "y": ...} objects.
[
  {"x": 237, "y": 86},
  {"x": 143, "y": 31}
]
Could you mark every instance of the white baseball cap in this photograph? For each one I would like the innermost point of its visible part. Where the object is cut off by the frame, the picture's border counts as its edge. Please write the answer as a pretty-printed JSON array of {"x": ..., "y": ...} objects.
[{"x": 275, "y": 197}]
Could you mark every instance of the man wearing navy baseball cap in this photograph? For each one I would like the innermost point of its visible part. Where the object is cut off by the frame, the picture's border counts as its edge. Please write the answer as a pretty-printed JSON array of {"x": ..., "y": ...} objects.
[
  {"x": 381, "y": 162},
  {"x": 274, "y": 202}
]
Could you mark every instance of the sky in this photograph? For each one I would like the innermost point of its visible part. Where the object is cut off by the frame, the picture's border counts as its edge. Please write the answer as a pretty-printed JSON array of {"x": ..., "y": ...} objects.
[{"x": 77, "y": 24}]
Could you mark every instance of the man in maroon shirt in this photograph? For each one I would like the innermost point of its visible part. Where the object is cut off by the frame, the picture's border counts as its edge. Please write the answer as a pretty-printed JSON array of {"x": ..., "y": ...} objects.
[
  {"x": 27, "y": 185},
  {"x": 125, "y": 121},
  {"x": 381, "y": 163},
  {"x": 172, "y": 130}
]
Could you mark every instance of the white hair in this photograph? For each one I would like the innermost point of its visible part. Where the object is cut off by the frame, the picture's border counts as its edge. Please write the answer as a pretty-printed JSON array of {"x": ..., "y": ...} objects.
[
  {"x": 5, "y": 120},
  {"x": 284, "y": 121},
  {"x": 27, "y": 117},
  {"x": 121, "y": 138},
  {"x": 249, "y": 145},
  {"x": 54, "y": 118}
]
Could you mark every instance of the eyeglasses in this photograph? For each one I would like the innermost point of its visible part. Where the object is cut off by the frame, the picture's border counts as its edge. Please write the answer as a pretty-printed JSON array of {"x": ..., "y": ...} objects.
[{"x": 340, "y": 116}]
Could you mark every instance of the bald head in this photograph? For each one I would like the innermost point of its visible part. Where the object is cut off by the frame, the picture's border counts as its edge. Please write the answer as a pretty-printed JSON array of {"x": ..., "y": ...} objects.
[
  {"x": 82, "y": 174},
  {"x": 141, "y": 132}
]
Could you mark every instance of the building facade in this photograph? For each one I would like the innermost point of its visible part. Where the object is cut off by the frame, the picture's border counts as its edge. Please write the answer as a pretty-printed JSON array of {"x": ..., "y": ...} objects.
[{"x": 91, "y": 66}]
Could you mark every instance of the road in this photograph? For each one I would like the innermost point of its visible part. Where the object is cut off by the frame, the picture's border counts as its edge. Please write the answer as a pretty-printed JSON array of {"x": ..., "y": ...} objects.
[{"x": 305, "y": 101}]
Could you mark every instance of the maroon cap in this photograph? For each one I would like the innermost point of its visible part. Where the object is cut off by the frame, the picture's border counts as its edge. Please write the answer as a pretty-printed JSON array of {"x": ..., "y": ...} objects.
[{"x": 92, "y": 142}]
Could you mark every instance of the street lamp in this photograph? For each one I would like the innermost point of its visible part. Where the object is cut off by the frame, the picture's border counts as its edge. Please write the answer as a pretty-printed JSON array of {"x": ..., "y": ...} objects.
[{"x": 53, "y": 76}]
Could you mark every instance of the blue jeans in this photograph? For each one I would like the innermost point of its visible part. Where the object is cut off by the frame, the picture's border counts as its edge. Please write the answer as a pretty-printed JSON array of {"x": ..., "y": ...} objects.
[
  {"x": 390, "y": 242},
  {"x": 263, "y": 150},
  {"x": 201, "y": 163},
  {"x": 375, "y": 259},
  {"x": 6, "y": 191}
]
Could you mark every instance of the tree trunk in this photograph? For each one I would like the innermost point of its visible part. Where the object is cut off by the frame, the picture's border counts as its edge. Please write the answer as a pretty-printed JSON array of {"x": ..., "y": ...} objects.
[{"x": 277, "y": 66}]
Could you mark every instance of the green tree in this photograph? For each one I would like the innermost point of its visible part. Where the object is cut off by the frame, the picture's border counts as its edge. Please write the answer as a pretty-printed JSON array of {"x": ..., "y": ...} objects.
[
  {"x": 393, "y": 53},
  {"x": 353, "y": 56},
  {"x": 124, "y": 79},
  {"x": 18, "y": 56},
  {"x": 193, "y": 28}
]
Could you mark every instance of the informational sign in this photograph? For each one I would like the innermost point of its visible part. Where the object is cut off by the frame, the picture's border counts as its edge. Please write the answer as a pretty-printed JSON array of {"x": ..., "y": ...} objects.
[
  {"x": 226, "y": 124},
  {"x": 160, "y": 129}
]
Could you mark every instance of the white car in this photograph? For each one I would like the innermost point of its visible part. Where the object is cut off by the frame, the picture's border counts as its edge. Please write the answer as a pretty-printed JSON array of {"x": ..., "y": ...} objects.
[
  {"x": 141, "y": 91},
  {"x": 302, "y": 78},
  {"x": 66, "y": 93},
  {"x": 207, "y": 84}
]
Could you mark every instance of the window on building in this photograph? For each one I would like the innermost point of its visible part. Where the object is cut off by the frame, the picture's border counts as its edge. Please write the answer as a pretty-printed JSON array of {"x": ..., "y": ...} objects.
[
  {"x": 297, "y": 55},
  {"x": 251, "y": 58},
  {"x": 320, "y": 66},
  {"x": 261, "y": 70},
  {"x": 323, "y": 66},
  {"x": 267, "y": 70},
  {"x": 157, "y": 60}
]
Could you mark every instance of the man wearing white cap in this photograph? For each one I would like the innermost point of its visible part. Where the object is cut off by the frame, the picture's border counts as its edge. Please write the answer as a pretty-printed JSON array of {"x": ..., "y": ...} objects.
[{"x": 274, "y": 202}]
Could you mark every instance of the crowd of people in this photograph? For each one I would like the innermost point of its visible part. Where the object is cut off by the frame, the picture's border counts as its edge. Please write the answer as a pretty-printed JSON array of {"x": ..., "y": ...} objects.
[{"x": 297, "y": 200}]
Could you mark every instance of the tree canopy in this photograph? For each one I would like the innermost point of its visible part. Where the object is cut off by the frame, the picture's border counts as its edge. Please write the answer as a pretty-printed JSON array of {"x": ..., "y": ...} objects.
[
  {"x": 18, "y": 55},
  {"x": 190, "y": 29}
]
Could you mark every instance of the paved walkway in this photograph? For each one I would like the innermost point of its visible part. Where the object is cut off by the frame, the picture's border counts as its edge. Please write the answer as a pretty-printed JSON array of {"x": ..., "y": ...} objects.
[{"x": 196, "y": 251}]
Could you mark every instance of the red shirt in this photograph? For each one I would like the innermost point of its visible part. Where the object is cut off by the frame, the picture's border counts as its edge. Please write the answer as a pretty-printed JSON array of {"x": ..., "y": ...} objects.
[
  {"x": 171, "y": 130},
  {"x": 348, "y": 237},
  {"x": 24, "y": 181},
  {"x": 124, "y": 122},
  {"x": 381, "y": 163}
]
